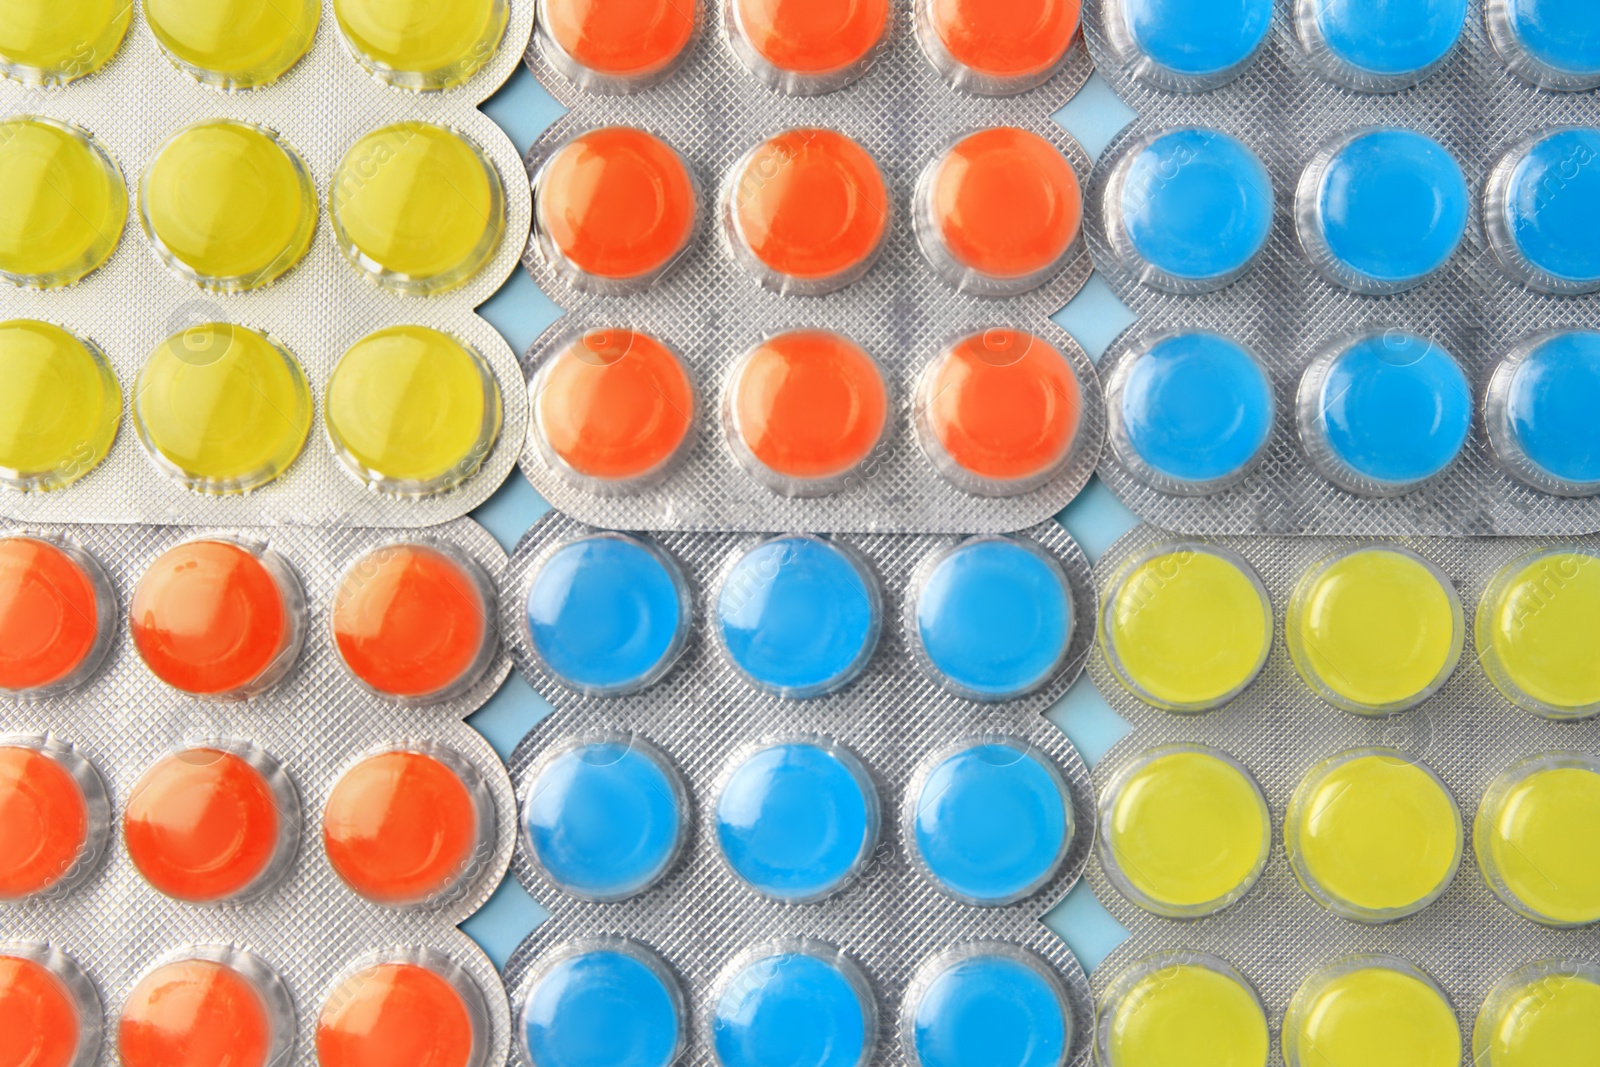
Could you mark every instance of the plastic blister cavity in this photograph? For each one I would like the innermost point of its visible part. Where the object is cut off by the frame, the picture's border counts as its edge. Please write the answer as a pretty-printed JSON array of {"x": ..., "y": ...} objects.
[
  {"x": 63, "y": 411},
  {"x": 780, "y": 805},
  {"x": 1546, "y": 1009},
  {"x": 58, "y": 817},
  {"x": 605, "y": 997},
  {"x": 408, "y": 826},
  {"x": 795, "y": 993},
  {"x": 211, "y": 1003},
  {"x": 1528, "y": 626},
  {"x": 1370, "y": 811},
  {"x": 1189, "y": 413},
  {"x": 47, "y": 996},
  {"x": 1376, "y": 46},
  {"x": 1533, "y": 210},
  {"x": 1534, "y": 837},
  {"x": 1186, "y": 45},
  {"x": 1160, "y": 1006},
  {"x": 1184, "y": 831},
  {"x": 414, "y": 1005},
  {"x": 1382, "y": 210},
  {"x": 998, "y": 47},
  {"x": 413, "y": 621},
  {"x": 208, "y": 798},
  {"x": 607, "y": 613},
  {"x": 58, "y": 616},
  {"x": 613, "y": 47},
  {"x": 1548, "y": 43},
  {"x": 947, "y": 1020},
  {"x": 218, "y": 619},
  {"x": 784, "y": 857},
  {"x": 1536, "y": 409},
  {"x": 245, "y": 200},
  {"x": 915, "y": 217},
  {"x": 808, "y": 47},
  {"x": 1188, "y": 210},
  {"x": 1371, "y": 1005}
]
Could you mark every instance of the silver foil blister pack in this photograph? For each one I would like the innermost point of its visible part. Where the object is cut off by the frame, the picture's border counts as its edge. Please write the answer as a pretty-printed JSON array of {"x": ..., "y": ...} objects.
[
  {"x": 1468, "y": 733},
  {"x": 705, "y": 722},
  {"x": 317, "y": 310},
  {"x": 1286, "y": 309},
  {"x": 710, "y": 310},
  {"x": 298, "y": 931}
]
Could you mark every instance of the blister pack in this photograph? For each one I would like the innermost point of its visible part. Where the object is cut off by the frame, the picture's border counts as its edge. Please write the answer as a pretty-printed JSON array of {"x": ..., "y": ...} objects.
[
  {"x": 808, "y": 279},
  {"x": 797, "y": 792},
  {"x": 1356, "y": 818},
  {"x": 242, "y": 813},
  {"x": 1359, "y": 236},
  {"x": 241, "y": 261}
]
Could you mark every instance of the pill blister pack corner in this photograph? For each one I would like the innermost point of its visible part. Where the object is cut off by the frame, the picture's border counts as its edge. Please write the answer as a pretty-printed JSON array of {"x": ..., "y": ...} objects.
[
  {"x": 161, "y": 769},
  {"x": 1344, "y": 298},
  {"x": 220, "y": 411},
  {"x": 1333, "y": 624},
  {"x": 747, "y": 148},
  {"x": 699, "y": 897}
]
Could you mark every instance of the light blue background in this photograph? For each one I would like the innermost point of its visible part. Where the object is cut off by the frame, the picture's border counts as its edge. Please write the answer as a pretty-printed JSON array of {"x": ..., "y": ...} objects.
[{"x": 521, "y": 312}]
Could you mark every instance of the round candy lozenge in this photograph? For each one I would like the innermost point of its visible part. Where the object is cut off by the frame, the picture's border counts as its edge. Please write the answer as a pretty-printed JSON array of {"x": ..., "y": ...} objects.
[
  {"x": 217, "y": 1007},
  {"x": 205, "y": 825},
  {"x": 422, "y": 1009},
  {"x": 990, "y": 821},
  {"x": 1375, "y": 629},
  {"x": 990, "y": 1004},
  {"x": 1372, "y": 836},
  {"x": 49, "y": 1011},
  {"x": 799, "y": 616},
  {"x": 999, "y": 211},
  {"x": 1541, "y": 1014},
  {"x": 1186, "y": 627},
  {"x": 799, "y": 1003},
  {"x": 221, "y": 408},
  {"x": 422, "y": 44},
  {"x": 1384, "y": 413},
  {"x": 1537, "y": 213},
  {"x": 1537, "y": 836},
  {"x": 57, "y": 616},
  {"x": 413, "y": 622},
  {"x": 216, "y": 619},
  {"x": 804, "y": 411},
  {"x": 234, "y": 44},
  {"x": 1382, "y": 210},
  {"x": 1000, "y": 412},
  {"x": 1371, "y": 1011},
  {"x": 601, "y": 1001},
  {"x": 228, "y": 205},
  {"x": 1189, "y": 210},
  {"x": 61, "y": 409},
  {"x": 53, "y": 818},
  {"x": 1379, "y": 46},
  {"x": 1182, "y": 1008},
  {"x": 604, "y": 819},
  {"x": 616, "y": 46},
  {"x": 805, "y": 47},
  {"x": 797, "y": 821},
  {"x": 1184, "y": 831},
  {"x": 806, "y": 211},
  {"x": 1190, "y": 413},
  {"x": 615, "y": 209},
  {"x": 608, "y": 613},
  {"x": 417, "y": 208},
  {"x": 1554, "y": 44},
  {"x": 65, "y": 202},
  {"x": 53, "y": 42},
  {"x": 1535, "y": 632},
  {"x": 998, "y": 47},
  {"x": 412, "y": 411},
  {"x": 405, "y": 827},
  {"x": 1188, "y": 45},
  {"x": 613, "y": 410},
  {"x": 994, "y": 617},
  {"x": 1539, "y": 411}
]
